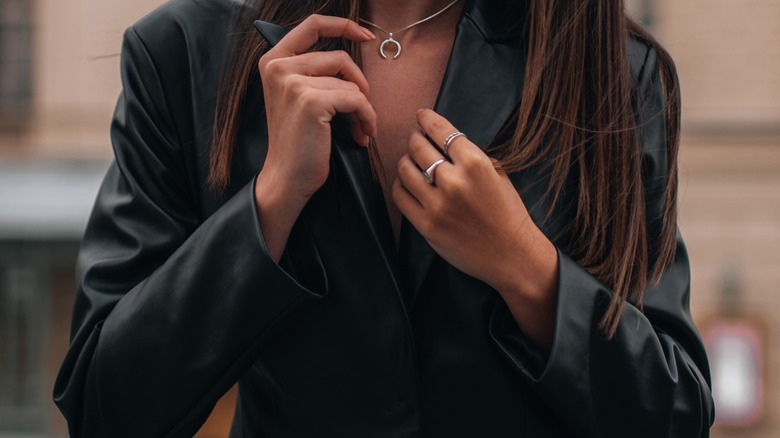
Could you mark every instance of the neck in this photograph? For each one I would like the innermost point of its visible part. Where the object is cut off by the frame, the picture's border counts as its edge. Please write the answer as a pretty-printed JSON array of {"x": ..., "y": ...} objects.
[{"x": 395, "y": 14}]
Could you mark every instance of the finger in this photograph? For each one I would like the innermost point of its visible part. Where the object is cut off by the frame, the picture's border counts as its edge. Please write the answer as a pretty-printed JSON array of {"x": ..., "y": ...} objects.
[
  {"x": 306, "y": 34},
  {"x": 412, "y": 178},
  {"x": 327, "y": 83},
  {"x": 360, "y": 130},
  {"x": 358, "y": 135},
  {"x": 422, "y": 152},
  {"x": 352, "y": 102},
  {"x": 407, "y": 204},
  {"x": 438, "y": 129},
  {"x": 321, "y": 64}
]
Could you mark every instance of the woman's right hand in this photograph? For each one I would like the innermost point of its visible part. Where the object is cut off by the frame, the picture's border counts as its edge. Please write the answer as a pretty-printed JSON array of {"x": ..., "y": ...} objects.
[{"x": 303, "y": 91}]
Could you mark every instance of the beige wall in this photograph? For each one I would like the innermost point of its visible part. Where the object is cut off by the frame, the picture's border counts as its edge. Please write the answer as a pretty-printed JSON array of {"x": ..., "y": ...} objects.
[
  {"x": 76, "y": 80},
  {"x": 730, "y": 218},
  {"x": 728, "y": 54}
]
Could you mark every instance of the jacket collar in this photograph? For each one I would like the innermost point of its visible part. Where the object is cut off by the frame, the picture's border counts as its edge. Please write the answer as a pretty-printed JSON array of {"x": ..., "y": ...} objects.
[
  {"x": 480, "y": 91},
  {"x": 497, "y": 20}
]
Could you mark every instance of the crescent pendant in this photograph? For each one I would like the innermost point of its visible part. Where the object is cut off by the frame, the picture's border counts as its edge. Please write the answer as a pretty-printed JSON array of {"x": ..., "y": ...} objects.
[{"x": 390, "y": 40}]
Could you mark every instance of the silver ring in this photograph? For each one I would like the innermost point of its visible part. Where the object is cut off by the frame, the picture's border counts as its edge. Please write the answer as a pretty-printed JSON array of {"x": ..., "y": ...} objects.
[
  {"x": 429, "y": 172},
  {"x": 450, "y": 138}
]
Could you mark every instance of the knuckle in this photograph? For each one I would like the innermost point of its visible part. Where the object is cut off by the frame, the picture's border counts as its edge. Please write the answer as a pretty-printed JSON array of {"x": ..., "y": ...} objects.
[
  {"x": 415, "y": 144},
  {"x": 273, "y": 67},
  {"x": 437, "y": 209},
  {"x": 402, "y": 168},
  {"x": 353, "y": 87},
  {"x": 342, "y": 56},
  {"x": 348, "y": 24},
  {"x": 262, "y": 64},
  {"x": 308, "y": 98},
  {"x": 445, "y": 180},
  {"x": 293, "y": 84},
  {"x": 439, "y": 125},
  {"x": 456, "y": 187},
  {"x": 313, "y": 20},
  {"x": 353, "y": 98},
  {"x": 473, "y": 161}
]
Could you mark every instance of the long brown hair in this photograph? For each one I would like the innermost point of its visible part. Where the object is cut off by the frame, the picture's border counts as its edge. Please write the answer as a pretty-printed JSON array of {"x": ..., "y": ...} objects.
[{"x": 576, "y": 116}]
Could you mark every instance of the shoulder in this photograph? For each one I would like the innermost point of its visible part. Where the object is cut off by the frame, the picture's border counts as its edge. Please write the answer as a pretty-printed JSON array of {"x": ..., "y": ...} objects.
[
  {"x": 188, "y": 17},
  {"x": 170, "y": 65},
  {"x": 642, "y": 61},
  {"x": 181, "y": 26},
  {"x": 176, "y": 52}
]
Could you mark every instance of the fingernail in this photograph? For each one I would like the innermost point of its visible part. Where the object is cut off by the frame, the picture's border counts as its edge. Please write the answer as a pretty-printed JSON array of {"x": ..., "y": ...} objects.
[
  {"x": 366, "y": 139},
  {"x": 367, "y": 33},
  {"x": 419, "y": 111}
]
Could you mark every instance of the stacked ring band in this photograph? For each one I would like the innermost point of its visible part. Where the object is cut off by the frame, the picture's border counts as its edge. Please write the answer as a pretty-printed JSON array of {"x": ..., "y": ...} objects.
[{"x": 450, "y": 138}]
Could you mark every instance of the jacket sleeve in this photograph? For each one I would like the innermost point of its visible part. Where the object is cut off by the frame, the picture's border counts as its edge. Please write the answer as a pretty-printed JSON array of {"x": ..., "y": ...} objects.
[
  {"x": 652, "y": 379},
  {"x": 170, "y": 309}
]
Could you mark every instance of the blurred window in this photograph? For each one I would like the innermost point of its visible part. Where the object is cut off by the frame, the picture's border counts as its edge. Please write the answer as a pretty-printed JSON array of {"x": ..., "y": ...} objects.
[{"x": 15, "y": 61}]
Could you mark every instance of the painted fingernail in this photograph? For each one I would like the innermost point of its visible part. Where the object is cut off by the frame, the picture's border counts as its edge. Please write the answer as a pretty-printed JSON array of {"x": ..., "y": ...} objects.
[{"x": 367, "y": 33}]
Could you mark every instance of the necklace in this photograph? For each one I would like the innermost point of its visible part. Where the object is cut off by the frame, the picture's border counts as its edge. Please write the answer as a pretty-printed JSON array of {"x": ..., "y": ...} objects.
[{"x": 391, "y": 40}]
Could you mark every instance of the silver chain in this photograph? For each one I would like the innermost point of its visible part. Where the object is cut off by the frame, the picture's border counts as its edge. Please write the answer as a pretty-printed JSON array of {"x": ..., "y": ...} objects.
[
  {"x": 390, "y": 34},
  {"x": 413, "y": 24}
]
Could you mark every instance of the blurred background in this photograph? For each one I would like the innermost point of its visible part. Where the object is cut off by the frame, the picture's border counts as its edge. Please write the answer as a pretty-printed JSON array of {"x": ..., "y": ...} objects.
[{"x": 59, "y": 80}]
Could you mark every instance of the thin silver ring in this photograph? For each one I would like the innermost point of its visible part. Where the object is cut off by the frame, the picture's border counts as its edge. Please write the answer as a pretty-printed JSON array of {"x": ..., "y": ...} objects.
[
  {"x": 429, "y": 172},
  {"x": 450, "y": 138}
]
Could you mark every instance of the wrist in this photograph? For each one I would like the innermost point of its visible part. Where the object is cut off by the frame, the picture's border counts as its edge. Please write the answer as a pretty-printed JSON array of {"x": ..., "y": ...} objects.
[
  {"x": 277, "y": 209},
  {"x": 530, "y": 273},
  {"x": 273, "y": 194},
  {"x": 529, "y": 287}
]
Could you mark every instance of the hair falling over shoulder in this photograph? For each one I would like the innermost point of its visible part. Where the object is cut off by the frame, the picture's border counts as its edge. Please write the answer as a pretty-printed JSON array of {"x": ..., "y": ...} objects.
[{"x": 576, "y": 117}]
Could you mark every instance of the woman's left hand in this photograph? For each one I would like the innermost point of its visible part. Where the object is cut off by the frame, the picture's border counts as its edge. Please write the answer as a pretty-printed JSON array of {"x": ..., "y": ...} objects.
[{"x": 473, "y": 217}]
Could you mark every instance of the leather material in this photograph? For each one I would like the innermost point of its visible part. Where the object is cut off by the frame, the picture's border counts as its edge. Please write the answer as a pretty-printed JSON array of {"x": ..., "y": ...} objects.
[{"x": 178, "y": 297}]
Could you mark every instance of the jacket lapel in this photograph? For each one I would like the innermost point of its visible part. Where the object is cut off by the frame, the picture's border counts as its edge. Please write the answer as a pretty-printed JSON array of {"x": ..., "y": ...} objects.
[
  {"x": 480, "y": 91},
  {"x": 351, "y": 163}
]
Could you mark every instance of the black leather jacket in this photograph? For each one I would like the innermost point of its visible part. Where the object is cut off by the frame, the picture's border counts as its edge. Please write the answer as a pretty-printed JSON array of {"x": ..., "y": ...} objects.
[{"x": 178, "y": 298}]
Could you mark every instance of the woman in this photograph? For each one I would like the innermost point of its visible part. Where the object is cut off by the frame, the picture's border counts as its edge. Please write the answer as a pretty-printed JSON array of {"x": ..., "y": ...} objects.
[{"x": 523, "y": 280}]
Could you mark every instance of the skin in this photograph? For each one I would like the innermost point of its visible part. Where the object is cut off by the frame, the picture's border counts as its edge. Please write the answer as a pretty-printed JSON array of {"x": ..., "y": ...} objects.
[
  {"x": 401, "y": 86},
  {"x": 471, "y": 202}
]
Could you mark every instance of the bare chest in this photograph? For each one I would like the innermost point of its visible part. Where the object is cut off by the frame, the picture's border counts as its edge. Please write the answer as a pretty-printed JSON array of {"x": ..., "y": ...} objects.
[{"x": 399, "y": 87}]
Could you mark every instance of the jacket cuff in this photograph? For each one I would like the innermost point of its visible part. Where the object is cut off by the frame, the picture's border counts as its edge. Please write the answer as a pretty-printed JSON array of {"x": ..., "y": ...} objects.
[
  {"x": 296, "y": 269},
  {"x": 580, "y": 303}
]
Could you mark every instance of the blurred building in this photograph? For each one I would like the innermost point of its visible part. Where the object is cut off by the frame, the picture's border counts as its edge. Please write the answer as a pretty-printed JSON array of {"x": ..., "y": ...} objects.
[
  {"x": 728, "y": 56},
  {"x": 59, "y": 80}
]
